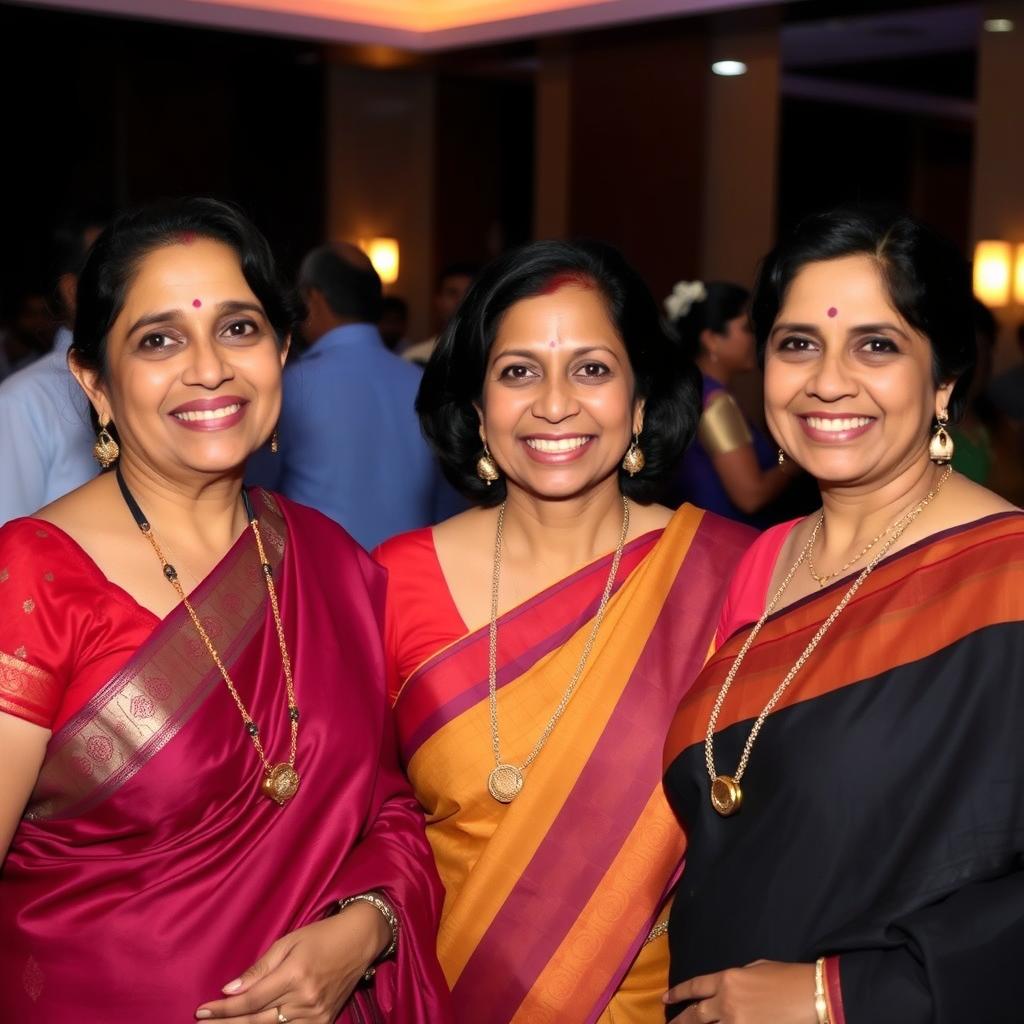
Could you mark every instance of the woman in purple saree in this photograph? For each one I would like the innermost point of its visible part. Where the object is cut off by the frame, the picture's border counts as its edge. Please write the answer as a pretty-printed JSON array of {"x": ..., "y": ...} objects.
[{"x": 165, "y": 868}]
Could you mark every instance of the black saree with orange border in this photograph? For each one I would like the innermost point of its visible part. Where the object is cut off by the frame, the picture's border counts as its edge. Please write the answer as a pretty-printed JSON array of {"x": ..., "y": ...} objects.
[{"x": 883, "y": 816}]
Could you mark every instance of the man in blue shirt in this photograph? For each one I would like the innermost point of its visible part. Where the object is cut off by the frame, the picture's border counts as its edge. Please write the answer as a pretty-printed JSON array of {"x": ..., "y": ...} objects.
[
  {"x": 45, "y": 436},
  {"x": 349, "y": 438}
]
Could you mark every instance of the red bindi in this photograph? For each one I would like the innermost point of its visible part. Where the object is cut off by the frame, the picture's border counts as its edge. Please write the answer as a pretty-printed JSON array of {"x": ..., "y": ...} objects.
[
  {"x": 196, "y": 303},
  {"x": 833, "y": 312},
  {"x": 564, "y": 279}
]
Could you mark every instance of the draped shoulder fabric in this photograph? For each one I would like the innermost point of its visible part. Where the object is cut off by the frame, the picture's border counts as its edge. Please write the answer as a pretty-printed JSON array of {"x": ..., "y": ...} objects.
[
  {"x": 882, "y": 823},
  {"x": 149, "y": 869},
  {"x": 550, "y": 898}
]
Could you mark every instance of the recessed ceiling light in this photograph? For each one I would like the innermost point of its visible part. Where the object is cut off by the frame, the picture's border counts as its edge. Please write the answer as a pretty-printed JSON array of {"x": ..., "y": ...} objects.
[
  {"x": 998, "y": 25},
  {"x": 729, "y": 68}
]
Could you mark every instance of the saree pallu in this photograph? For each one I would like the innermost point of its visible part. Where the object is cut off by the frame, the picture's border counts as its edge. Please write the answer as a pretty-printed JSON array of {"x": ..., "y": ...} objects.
[
  {"x": 550, "y": 898},
  {"x": 150, "y": 870},
  {"x": 882, "y": 823}
]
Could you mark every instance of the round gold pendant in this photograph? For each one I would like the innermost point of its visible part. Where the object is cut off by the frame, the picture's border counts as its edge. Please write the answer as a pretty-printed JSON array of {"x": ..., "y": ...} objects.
[
  {"x": 280, "y": 783},
  {"x": 505, "y": 783},
  {"x": 726, "y": 795}
]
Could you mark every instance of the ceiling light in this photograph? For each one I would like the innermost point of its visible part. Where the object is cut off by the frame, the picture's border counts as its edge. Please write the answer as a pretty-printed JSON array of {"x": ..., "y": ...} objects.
[
  {"x": 729, "y": 68},
  {"x": 998, "y": 25}
]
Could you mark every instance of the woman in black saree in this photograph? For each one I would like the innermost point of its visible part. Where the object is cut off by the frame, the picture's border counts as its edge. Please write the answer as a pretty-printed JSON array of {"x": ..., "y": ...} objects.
[{"x": 849, "y": 770}]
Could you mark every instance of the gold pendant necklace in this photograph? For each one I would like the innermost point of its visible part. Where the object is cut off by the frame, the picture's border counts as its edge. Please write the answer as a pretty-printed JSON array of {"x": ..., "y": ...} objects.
[
  {"x": 505, "y": 782},
  {"x": 726, "y": 794},
  {"x": 280, "y": 781}
]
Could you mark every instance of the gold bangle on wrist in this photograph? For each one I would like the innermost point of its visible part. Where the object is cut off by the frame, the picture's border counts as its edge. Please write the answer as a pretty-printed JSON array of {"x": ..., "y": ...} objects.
[
  {"x": 387, "y": 912},
  {"x": 820, "y": 1001}
]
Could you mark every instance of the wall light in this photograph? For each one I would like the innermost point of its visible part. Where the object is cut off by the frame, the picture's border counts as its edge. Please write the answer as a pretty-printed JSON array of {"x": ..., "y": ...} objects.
[
  {"x": 992, "y": 272},
  {"x": 729, "y": 68},
  {"x": 1018, "y": 276},
  {"x": 383, "y": 253},
  {"x": 998, "y": 25}
]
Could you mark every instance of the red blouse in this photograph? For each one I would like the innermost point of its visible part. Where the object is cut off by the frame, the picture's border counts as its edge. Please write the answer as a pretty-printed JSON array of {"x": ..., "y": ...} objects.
[
  {"x": 748, "y": 592},
  {"x": 65, "y": 629},
  {"x": 420, "y": 617}
]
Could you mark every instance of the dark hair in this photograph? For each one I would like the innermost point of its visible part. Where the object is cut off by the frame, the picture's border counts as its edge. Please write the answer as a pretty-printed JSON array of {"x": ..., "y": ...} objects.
[
  {"x": 454, "y": 376},
  {"x": 722, "y": 302},
  {"x": 117, "y": 253},
  {"x": 927, "y": 279},
  {"x": 351, "y": 287}
]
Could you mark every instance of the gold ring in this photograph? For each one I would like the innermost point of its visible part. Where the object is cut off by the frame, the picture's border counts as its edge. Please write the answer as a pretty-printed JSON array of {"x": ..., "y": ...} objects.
[{"x": 281, "y": 1018}]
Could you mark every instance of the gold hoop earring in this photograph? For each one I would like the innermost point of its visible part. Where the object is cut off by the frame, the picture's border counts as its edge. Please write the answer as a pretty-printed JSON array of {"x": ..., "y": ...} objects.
[
  {"x": 941, "y": 447},
  {"x": 275, "y": 442},
  {"x": 633, "y": 461},
  {"x": 106, "y": 450},
  {"x": 487, "y": 468}
]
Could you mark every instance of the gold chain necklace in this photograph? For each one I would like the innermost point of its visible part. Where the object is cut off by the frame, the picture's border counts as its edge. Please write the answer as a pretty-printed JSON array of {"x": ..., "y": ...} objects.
[
  {"x": 280, "y": 781},
  {"x": 822, "y": 580},
  {"x": 726, "y": 795},
  {"x": 506, "y": 780}
]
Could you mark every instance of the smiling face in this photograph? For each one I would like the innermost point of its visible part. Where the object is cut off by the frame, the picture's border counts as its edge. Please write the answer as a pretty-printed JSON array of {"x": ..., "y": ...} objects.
[
  {"x": 849, "y": 391},
  {"x": 558, "y": 408},
  {"x": 193, "y": 367}
]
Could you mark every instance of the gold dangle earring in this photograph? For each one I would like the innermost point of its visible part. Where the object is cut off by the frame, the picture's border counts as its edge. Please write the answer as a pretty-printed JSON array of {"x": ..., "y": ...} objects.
[
  {"x": 782, "y": 457},
  {"x": 487, "y": 468},
  {"x": 275, "y": 442},
  {"x": 633, "y": 461},
  {"x": 106, "y": 450},
  {"x": 941, "y": 447}
]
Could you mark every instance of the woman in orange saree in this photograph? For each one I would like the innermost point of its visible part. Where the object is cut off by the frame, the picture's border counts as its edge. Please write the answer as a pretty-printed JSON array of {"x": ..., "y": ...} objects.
[{"x": 558, "y": 886}]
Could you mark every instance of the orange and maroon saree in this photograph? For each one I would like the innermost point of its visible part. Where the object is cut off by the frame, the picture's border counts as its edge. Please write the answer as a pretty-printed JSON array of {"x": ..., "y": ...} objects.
[{"x": 551, "y": 899}]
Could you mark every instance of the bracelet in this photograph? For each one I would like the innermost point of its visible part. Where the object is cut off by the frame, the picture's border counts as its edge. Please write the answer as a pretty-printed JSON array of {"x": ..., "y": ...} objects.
[
  {"x": 820, "y": 1002},
  {"x": 389, "y": 915}
]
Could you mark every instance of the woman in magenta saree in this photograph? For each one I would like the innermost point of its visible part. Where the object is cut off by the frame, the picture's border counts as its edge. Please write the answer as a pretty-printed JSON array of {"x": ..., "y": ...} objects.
[{"x": 149, "y": 868}]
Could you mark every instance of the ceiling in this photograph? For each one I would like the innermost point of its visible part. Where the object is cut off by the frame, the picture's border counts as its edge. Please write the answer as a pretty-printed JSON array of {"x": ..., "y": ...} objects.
[{"x": 421, "y": 25}]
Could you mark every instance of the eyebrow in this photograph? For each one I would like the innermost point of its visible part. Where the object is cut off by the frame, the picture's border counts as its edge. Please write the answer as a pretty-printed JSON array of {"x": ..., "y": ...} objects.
[
  {"x": 170, "y": 315},
  {"x": 524, "y": 353},
  {"x": 856, "y": 329}
]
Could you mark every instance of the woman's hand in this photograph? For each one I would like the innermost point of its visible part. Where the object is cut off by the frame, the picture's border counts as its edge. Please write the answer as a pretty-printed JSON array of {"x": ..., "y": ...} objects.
[
  {"x": 760, "y": 993},
  {"x": 309, "y": 974}
]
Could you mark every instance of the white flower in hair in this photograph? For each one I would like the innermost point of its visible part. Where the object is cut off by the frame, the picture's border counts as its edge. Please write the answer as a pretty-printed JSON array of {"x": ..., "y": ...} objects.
[{"x": 683, "y": 296}]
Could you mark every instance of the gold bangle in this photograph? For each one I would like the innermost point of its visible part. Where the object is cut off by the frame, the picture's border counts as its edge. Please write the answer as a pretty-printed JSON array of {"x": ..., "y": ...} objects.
[
  {"x": 820, "y": 1002},
  {"x": 386, "y": 911}
]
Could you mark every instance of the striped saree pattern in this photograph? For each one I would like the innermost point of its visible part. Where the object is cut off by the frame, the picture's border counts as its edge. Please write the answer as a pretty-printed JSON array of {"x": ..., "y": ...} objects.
[{"x": 550, "y": 898}]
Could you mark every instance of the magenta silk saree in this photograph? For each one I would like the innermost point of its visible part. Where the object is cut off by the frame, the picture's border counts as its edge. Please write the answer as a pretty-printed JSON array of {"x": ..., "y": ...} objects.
[{"x": 149, "y": 869}]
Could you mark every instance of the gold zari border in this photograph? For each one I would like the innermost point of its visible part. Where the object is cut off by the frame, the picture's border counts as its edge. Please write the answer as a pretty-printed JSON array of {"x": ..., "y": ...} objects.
[{"x": 147, "y": 703}]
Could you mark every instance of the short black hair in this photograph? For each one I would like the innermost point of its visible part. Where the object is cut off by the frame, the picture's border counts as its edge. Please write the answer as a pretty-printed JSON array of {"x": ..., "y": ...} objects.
[
  {"x": 117, "y": 253},
  {"x": 927, "y": 278},
  {"x": 350, "y": 289},
  {"x": 454, "y": 377},
  {"x": 722, "y": 302}
]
